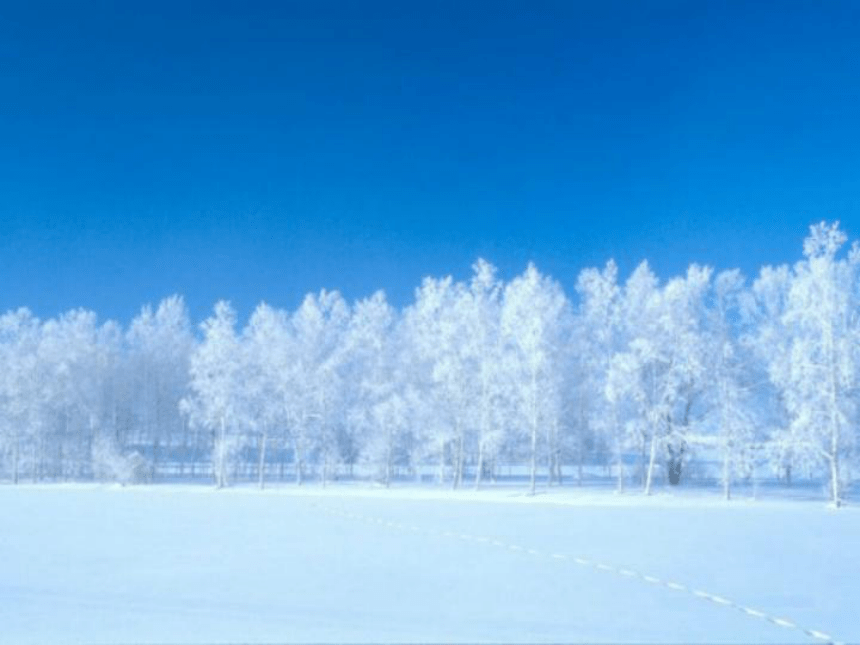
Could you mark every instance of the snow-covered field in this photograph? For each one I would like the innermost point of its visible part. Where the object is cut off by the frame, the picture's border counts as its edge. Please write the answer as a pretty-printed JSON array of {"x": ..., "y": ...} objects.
[{"x": 187, "y": 564}]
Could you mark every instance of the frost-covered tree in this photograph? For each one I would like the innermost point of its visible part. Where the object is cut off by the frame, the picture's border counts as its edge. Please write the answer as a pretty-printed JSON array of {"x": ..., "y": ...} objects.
[
  {"x": 535, "y": 323},
  {"x": 634, "y": 377},
  {"x": 598, "y": 336},
  {"x": 729, "y": 387},
  {"x": 318, "y": 327},
  {"x": 482, "y": 309},
  {"x": 434, "y": 325},
  {"x": 662, "y": 370},
  {"x": 266, "y": 345},
  {"x": 159, "y": 348},
  {"x": 22, "y": 406},
  {"x": 684, "y": 319},
  {"x": 218, "y": 399},
  {"x": 768, "y": 341},
  {"x": 382, "y": 403},
  {"x": 75, "y": 353},
  {"x": 820, "y": 378}
]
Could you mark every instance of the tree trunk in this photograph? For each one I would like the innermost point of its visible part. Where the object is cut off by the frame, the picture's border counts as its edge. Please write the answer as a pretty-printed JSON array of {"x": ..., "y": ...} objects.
[
  {"x": 195, "y": 440},
  {"x": 38, "y": 457},
  {"x": 155, "y": 451},
  {"x": 297, "y": 458},
  {"x": 441, "y": 461},
  {"x": 325, "y": 468},
  {"x": 550, "y": 457},
  {"x": 533, "y": 460},
  {"x": 836, "y": 493},
  {"x": 222, "y": 455},
  {"x": 261, "y": 470},
  {"x": 458, "y": 457},
  {"x": 675, "y": 464},
  {"x": 15, "y": 458},
  {"x": 579, "y": 467},
  {"x": 184, "y": 451},
  {"x": 651, "y": 461},
  {"x": 534, "y": 421},
  {"x": 834, "y": 420},
  {"x": 388, "y": 457},
  {"x": 619, "y": 449},
  {"x": 62, "y": 459},
  {"x": 558, "y": 474},
  {"x": 282, "y": 462},
  {"x": 480, "y": 471}
]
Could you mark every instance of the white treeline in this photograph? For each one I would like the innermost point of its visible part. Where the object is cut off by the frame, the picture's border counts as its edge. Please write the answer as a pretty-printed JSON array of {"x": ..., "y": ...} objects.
[{"x": 642, "y": 377}]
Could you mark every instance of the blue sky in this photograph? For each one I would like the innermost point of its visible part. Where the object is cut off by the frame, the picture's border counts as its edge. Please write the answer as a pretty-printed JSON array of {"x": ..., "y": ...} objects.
[{"x": 257, "y": 153}]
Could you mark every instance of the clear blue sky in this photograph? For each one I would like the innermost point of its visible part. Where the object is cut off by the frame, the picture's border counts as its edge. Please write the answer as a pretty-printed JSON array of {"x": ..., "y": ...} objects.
[{"x": 256, "y": 153}]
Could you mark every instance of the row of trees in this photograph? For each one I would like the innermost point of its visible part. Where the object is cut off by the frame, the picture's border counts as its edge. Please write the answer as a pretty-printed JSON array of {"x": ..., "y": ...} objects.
[{"x": 469, "y": 374}]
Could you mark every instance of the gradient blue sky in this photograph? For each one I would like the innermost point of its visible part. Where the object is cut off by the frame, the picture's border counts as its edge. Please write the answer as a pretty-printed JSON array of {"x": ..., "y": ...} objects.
[{"x": 222, "y": 151}]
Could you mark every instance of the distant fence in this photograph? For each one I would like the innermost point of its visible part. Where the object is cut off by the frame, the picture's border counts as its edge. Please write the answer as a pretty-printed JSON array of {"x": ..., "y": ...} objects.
[{"x": 173, "y": 464}]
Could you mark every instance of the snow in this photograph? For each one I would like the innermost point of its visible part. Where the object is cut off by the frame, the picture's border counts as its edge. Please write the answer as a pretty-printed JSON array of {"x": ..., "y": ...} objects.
[{"x": 188, "y": 564}]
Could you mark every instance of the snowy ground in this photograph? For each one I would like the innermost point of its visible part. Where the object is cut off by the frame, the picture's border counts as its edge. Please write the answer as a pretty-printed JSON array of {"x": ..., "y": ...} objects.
[{"x": 174, "y": 564}]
